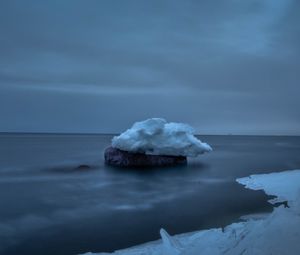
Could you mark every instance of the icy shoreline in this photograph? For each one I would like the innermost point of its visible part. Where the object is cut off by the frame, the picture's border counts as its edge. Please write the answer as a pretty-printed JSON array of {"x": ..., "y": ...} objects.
[{"x": 276, "y": 233}]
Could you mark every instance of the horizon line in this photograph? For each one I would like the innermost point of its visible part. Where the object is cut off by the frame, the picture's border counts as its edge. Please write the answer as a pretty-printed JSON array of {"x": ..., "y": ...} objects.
[{"x": 91, "y": 133}]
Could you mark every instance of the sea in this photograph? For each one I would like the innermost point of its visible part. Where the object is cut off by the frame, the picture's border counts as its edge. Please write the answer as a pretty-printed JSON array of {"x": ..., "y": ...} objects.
[{"x": 57, "y": 196}]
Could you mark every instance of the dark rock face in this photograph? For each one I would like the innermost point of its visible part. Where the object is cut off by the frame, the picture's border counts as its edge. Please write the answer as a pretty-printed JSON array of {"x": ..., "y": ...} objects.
[{"x": 116, "y": 157}]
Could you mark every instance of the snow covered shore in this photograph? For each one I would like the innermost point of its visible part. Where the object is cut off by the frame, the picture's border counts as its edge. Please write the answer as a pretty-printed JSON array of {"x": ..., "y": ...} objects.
[
  {"x": 157, "y": 137},
  {"x": 276, "y": 233}
]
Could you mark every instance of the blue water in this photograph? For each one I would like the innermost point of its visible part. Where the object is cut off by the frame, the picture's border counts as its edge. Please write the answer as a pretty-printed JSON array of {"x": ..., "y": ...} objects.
[{"x": 49, "y": 206}]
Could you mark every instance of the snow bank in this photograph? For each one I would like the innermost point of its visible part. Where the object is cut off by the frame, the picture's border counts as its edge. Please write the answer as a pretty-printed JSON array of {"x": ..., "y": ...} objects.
[
  {"x": 278, "y": 233},
  {"x": 157, "y": 137},
  {"x": 283, "y": 185}
]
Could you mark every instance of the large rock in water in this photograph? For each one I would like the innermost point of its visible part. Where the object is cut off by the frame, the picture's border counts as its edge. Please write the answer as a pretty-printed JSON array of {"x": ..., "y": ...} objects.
[{"x": 116, "y": 157}]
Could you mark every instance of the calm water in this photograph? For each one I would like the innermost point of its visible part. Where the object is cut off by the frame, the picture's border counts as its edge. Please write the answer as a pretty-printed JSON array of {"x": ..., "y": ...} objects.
[{"x": 47, "y": 206}]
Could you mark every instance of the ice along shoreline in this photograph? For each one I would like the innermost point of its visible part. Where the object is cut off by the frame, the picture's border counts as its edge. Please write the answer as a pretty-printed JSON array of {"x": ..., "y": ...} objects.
[{"x": 276, "y": 233}]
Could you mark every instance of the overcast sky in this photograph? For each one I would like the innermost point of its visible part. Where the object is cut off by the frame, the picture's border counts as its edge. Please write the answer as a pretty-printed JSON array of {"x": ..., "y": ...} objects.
[{"x": 97, "y": 66}]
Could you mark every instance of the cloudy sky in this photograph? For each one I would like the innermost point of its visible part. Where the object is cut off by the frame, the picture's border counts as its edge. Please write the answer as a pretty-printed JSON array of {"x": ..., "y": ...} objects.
[{"x": 97, "y": 66}]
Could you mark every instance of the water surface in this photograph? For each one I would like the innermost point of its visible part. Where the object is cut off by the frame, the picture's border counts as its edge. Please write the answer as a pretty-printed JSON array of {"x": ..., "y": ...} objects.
[{"x": 49, "y": 206}]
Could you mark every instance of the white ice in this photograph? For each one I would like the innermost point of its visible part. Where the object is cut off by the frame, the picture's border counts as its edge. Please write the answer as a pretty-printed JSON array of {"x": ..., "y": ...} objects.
[
  {"x": 157, "y": 137},
  {"x": 278, "y": 233}
]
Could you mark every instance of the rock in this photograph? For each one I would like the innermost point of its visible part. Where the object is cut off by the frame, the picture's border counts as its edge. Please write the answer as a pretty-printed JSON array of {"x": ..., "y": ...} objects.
[
  {"x": 116, "y": 157},
  {"x": 82, "y": 167}
]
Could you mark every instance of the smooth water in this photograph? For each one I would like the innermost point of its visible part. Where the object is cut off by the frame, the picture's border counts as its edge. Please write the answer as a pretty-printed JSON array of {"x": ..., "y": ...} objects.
[{"x": 49, "y": 206}]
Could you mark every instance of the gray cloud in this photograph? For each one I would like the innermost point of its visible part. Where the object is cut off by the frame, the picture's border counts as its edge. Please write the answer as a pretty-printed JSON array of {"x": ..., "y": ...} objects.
[{"x": 96, "y": 66}]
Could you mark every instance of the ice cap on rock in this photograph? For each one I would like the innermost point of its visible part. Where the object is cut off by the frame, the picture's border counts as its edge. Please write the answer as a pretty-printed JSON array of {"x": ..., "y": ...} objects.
[{"x": 158, "y": 137}]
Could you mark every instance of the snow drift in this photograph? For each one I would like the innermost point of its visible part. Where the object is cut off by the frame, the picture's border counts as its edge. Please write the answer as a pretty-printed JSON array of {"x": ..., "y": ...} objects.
[
  {"x": 278, "y": 233},
  {"x": 157, "y": 137}
]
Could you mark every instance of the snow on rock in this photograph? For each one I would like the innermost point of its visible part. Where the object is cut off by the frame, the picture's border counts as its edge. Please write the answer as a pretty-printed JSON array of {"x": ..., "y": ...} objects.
[
  {"x": 276, "y": 234},
  {"x": 157, "y": 137}
]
